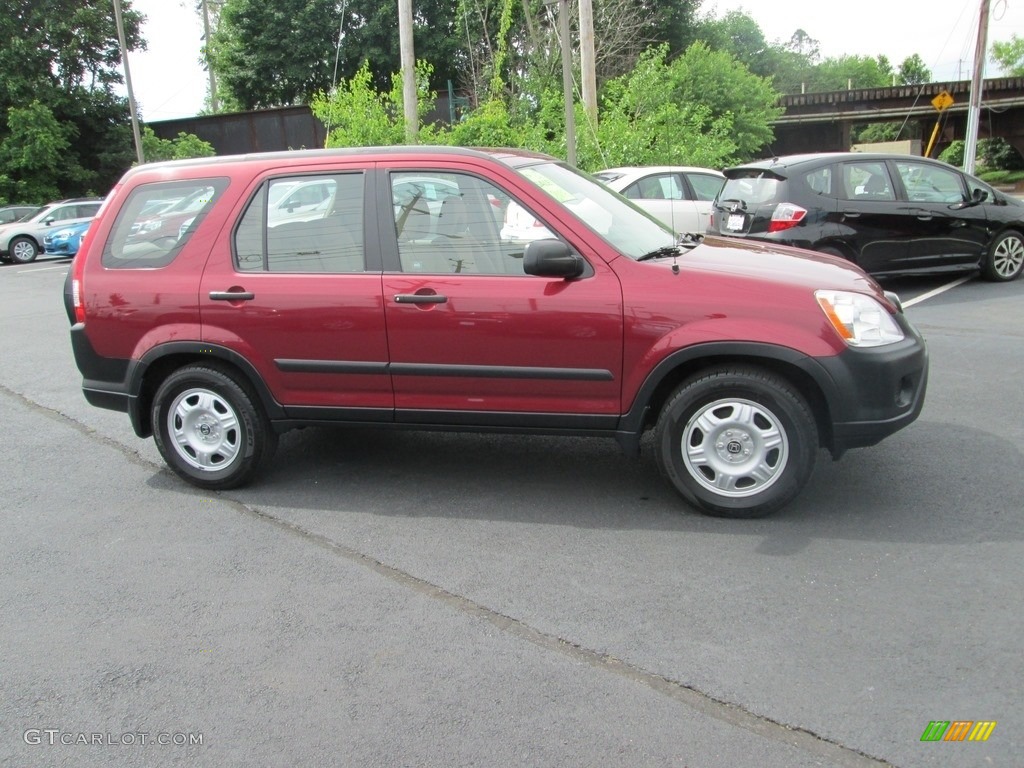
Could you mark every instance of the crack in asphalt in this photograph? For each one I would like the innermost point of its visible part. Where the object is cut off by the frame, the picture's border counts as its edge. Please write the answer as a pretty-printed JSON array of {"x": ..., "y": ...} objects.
[{"x": 730, "y": 713}]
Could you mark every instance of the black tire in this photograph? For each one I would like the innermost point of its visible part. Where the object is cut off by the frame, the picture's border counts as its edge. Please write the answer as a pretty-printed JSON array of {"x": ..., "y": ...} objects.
[
  {"x": 752, "y": 441},
  {"x": 1005, "y": 258},
  {"x": 210, "y": 429},
  {"x": 23, "y": 250}
]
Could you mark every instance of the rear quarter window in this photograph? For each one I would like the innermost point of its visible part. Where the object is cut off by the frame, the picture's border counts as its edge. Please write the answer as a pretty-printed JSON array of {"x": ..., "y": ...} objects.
[{"x": 157, "y": 220}]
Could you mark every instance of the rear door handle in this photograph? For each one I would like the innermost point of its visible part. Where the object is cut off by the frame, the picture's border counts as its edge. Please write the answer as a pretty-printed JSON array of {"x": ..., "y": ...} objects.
[
  {"x": 232, "y": 295},
  {"x": 851, "y": 214},
  {"x": 420, "y": 298}
]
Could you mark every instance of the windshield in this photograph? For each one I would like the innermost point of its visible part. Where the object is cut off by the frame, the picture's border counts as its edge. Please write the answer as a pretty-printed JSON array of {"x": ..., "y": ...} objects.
[{"x": 628, "y": 229}]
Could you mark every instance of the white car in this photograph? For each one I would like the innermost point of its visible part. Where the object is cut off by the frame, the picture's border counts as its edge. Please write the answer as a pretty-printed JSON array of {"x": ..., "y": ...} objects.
[
  {"x": 679, "y": 196},
  {"x": 22, "y": 241}
]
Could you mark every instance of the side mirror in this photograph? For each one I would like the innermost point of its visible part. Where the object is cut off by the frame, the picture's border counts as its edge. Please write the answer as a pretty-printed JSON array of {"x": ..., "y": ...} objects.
[
  {"x": 551, "y": 258},
  {"x": 978, "y": 196}
]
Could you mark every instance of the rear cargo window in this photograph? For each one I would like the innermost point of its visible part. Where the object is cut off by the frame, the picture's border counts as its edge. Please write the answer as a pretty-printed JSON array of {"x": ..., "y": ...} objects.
[
  {"x": 303, "y": 224},
  {"x": 751, "y": 190},
  {"x": 157, "y": 220}
]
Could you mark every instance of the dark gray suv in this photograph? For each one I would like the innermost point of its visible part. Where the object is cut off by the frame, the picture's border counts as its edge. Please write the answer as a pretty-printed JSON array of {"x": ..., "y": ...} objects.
[{"x": 890, "y": 214}]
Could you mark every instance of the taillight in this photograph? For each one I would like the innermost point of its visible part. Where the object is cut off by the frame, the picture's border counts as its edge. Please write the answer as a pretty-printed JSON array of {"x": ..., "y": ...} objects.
[
  {"x": 77, "y": 296},
  {"x": 786, "y": 215}
]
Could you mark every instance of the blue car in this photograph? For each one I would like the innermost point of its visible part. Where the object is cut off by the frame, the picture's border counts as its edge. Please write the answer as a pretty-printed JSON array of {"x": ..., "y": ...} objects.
[{"x": 66, "y": 240}]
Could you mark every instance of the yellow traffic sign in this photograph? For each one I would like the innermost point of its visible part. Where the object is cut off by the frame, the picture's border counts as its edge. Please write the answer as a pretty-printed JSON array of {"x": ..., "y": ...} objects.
[{"x": 942, "y": 101}]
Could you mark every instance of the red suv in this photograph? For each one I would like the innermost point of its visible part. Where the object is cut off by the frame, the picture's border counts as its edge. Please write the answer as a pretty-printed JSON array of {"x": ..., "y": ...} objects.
[{"x": 399, "y": 306}]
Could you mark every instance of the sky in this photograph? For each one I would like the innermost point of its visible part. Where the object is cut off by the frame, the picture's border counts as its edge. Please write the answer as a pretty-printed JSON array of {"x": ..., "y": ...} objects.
[{"x": 170, "y": 83}]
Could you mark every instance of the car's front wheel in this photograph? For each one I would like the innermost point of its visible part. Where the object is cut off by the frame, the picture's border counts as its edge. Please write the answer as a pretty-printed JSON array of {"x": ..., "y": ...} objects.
[
  {"x": 1005, "y": 258},
  {"x": 736, "y": 441},
  {"x": 23, "y": 250},
  {"x": 209, "y": 429}
]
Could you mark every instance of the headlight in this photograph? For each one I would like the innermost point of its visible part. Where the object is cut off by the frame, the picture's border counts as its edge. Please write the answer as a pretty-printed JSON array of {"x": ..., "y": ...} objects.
[{"x": 860, "y": 320}]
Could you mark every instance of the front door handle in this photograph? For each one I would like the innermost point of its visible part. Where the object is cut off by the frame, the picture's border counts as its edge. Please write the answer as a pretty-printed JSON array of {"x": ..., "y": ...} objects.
[{"x": 232, "y": 295}]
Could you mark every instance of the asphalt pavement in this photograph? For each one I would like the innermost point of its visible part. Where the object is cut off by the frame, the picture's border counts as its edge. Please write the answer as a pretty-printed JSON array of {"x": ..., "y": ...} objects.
[{"x": 421, "y": 599}]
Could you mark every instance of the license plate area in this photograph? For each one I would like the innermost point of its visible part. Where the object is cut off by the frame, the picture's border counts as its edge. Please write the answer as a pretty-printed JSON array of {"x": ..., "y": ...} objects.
[{"x": 735, "y": 222}]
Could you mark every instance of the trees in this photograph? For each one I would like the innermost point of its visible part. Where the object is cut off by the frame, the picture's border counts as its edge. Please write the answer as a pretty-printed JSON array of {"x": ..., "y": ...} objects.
[
  {"x": 62, "y": 127},
  {"x": 283, "y": 52},
  {"x": 1009, "y": 56}
]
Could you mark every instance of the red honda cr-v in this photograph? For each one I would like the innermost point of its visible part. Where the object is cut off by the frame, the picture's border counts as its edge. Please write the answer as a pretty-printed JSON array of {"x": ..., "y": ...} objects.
[{"x": 453, "y": 289}]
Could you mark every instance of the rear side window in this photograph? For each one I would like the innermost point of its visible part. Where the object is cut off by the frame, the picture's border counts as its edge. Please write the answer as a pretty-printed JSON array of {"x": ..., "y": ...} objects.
[
  {"x": 303, "y": 224},
  {"x": 664, "y": 186},
  {"x": 157, "y": 220},
  {"x": 867, "y": 181},
  {"x": 705, "y": 185},
  {"x": 820, "y": 180}
]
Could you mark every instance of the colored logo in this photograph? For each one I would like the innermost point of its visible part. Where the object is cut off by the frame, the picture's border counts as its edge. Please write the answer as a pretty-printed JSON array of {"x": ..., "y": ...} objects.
[{"x": 958, "y": 730}]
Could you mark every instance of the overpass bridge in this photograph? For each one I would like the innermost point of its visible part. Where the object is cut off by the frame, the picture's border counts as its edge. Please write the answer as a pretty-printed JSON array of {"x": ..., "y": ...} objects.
[{"x": 822, "y": 122}]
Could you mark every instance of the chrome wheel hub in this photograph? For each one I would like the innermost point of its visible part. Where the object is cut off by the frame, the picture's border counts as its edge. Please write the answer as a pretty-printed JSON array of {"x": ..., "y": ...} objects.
[
  {"x": 1008, "y": 257},
  {"x": 204, "y": 430},
  {"x": 735, "y": 447}
]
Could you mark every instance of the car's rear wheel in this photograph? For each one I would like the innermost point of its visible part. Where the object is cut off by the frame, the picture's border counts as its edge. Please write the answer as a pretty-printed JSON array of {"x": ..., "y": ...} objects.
[
  {"x": 210, "y": 429},
  {"x": 736, "y": 441},
  {"x": 23, "y": 250},
  {"x": 1005, "y": 258}
]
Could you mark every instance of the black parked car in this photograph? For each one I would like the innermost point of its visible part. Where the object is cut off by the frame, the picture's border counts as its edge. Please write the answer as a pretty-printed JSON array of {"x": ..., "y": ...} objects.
[{"x": 890, "y": 214}]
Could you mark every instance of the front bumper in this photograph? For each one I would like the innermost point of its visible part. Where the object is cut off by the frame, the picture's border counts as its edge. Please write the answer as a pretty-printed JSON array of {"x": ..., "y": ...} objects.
[{"x": 876, "y": 391}]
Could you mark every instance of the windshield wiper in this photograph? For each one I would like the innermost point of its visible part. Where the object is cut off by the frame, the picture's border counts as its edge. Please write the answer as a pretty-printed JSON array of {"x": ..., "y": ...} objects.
[
  {"x": 684, "y": 242},
  {"x": 742, "y": 205}
]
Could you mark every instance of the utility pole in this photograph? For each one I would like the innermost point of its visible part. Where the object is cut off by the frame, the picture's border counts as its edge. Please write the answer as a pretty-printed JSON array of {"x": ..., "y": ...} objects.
[
  {"x": 588, "y": 66},
  {"x": 209, "y": 67},
  {"x": 566, "y": 49},
  {"x": 128, "y": 82},
  {"x": 408, "y": 70},
  {"x": 977, "y": 83}
]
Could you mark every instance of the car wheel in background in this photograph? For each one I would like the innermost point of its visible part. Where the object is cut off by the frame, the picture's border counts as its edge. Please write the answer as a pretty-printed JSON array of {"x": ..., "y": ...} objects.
[
  {"x": 210, "y": 429},
  {"x": 23, "y": 250},
  {"x": 737, "y": 442},
  {"x": 1005, "y": 258}
]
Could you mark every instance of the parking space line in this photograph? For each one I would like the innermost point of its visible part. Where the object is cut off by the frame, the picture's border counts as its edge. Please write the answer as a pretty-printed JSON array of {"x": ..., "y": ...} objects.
[
  {"x": 936, "y": 291},
  {"x": 43, "y": 269}
]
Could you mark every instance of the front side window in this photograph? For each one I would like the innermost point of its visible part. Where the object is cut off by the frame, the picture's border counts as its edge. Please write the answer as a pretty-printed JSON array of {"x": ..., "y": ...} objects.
[
  {"x": 455, "y": 223},
  {"x": 930, "y": 184},
  {"x": 303, "y": 224},
  {"x": 157, "y": 220}
]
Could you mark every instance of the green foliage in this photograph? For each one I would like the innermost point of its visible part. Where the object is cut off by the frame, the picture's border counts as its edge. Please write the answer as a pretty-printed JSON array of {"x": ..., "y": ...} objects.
[
  {"x": 913, "y": 71},
  {"x": 358, "y": 115},
  {"x": 34, "y": 152},
  {"x": 954, "y": 153},
  {"x": 1009, "y": 56},
  {"x": 852, "y": 71},
  {"x": 186, "y": 145},
  {"x": 284, "y": 52},
  {"x": 716, "y": 80},
  {"x": 992, "y": 155},
  {"x": 64, "y": 55}
]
